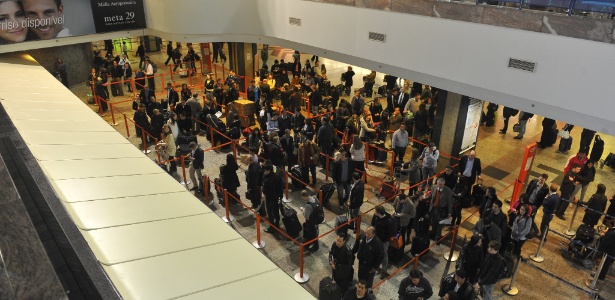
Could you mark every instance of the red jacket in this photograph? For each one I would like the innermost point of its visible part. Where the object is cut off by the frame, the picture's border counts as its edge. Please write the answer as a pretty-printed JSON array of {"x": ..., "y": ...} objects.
[{"x": 574, "y": 160}]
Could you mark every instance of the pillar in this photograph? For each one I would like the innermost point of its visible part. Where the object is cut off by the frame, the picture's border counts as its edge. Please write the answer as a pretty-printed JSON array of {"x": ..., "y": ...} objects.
[{"x": 241, "y": 60}]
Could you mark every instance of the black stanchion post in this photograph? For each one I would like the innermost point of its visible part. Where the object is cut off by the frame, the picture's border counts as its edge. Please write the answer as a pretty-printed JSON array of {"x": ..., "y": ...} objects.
[
  {"x": 536, "y": 256},
  {"x": 510, "y": 289},
  {"x": 591, "y": 284},
  {"x": 569, "y": 231}
]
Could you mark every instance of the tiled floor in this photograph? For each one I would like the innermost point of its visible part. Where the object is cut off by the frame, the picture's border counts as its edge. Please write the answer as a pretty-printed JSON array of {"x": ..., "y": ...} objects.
[{"x": 501, "y": 157}]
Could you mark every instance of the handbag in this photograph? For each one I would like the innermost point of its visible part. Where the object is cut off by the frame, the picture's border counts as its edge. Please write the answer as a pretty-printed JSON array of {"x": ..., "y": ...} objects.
[
  {"x": 564, "y": 134},
  {"x": 516, "y": 127},
  {"x": 396, "y": 241}
]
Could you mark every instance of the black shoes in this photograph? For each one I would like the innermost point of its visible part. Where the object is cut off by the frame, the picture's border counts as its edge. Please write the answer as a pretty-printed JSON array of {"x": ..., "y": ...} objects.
[
  {"x": 502, "y": 132},
  {"x": 268, "y": 230},
  {"x": 562, "y": 217}
]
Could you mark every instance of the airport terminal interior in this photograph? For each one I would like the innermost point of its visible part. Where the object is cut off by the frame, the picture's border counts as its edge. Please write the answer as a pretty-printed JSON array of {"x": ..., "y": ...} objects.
[{"x": 92, "y": 208}]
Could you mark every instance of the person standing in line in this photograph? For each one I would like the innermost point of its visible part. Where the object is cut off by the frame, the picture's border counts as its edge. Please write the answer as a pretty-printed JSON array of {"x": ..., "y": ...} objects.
[
  {"x": 399, "y": 142},
  {"x": 141, "y": 54},
  {"x": 342, "y": 176},
  {"x": 169, "y": 53},
  {"x": 415, "y": 287},
  {"x": 404, "y": 213},
  {"x": 548, "y": 209},
  {"x": 569, "y": 184},
  {"x": 547, "y": 137},
  {"x": 470, "y": 168},
  {"x": 441, "y": 207},
  {"x": 196, "y": 157},
  {"x": 490, "y": 270},
  {"x": 310, "y": 227},
  {"x": 369, "y": 81},
  {"x": 430, "y": 161},
  {"x": 521, "y": 227},
  {"x": 254, "y": 181},
  {"x": 370, "y": 253},
  {"x": 523, "y": 118},
  {"x": 386, "y": 228},
  {"x": 537, "y": 190},
  {"x": 308, "y": 158},
  {"x": 597, "y": 202},
  {"x": 61, "y": 69},
  {"x": 607, "y": 245},
  {"x": 347, "y": 77},
  {"x": 273, "y": 190},
  {"x": 149, "y": 73},
  {"x": 585, "y": 177},
  {"x": 341, "y": 261},
  {"x": 359, "y": 292},
  {"x": 355, "y": 198},
  {"x": 357, "y": 153},
  {"x": 168, "y": 144}
]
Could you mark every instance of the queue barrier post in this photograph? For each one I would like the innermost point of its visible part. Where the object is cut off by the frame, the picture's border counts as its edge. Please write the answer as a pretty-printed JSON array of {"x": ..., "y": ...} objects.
[
  {"x": 234, "y": 142},
  {"x": 126, "y": 123},
  {"x": 184, "y": 173},
  {"x": 157, "y": 152},
  {"x": 258, "y": 244},
  {"x": 367, "y": 155},
  {"x": 320, "y": 197},
  {"x": 569, "y": 231},
  {"x": 327, "y": 167},
  {"x": 510, "y": 288},
  {"x": 144, "y": 139},
  {"x": 392, "y": 170},
  {"x": 286, "y": 198},
  {"x": 301, "y": 277},
  {"x": 228, "y": 218},
  {"x": 536, "y": 256},
  {"x": 113, "y": 122},
  {"x": 591, "y": 284},
  {"x": 211, "y": 134},
  {"x": 453, "y": 255},
  {"x": 206, "y": 188}
]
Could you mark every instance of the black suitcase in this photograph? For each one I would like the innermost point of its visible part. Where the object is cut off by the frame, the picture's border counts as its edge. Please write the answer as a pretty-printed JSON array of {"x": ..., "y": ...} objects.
[
  {"x": 597, "y": 149},
  {"x": 290, "y": 220},
  {"x": 341, "y": 219},
  {"x": 395, "y": 255},
  {"x": 609, "y": 161},
  {"x": 328, "y": 290},
  {"x": 183, "y": 142},
  {"x": 422, "y": 228},
  {"x": 296, "y": 176},
  {"x": 327, "y": 190},
  {"x": 419, "y": 244},
  {"x": 382, "y": 155}
]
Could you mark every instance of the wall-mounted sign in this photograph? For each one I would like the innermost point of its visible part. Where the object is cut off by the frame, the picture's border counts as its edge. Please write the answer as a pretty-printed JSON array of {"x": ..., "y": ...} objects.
[{"x": 470, "y": 133}]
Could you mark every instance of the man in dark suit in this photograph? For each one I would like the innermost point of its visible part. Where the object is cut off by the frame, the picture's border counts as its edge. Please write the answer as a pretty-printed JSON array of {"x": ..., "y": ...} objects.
[
  {"x": 537, "y": 190},
  {"x": 342, "y": 176},
  {"x": 549, "y": 208},
  {"x": 441, "y": 207},
  {"x": 357, "y": 190},
  {"x": 469, "y": 167},
  {"x": 196, "y": 165},
  {"x": 169, "y": 53},
  {"x": 391, "y": 100},
  {"x": 145, "y": 95},
  {"x": 172, "y": 95},
  {"x": 402, "y": 99}
]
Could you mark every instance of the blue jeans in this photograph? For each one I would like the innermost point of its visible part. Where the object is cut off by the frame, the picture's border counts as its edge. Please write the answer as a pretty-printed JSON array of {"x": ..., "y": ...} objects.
[
  {"x": 522, "y": 124},
  {"x": 488, "y": 291},
  {"x": 343, "y": 191}
]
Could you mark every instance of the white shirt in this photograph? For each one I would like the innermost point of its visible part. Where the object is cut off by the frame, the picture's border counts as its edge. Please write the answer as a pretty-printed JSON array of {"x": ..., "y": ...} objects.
[{"x": 149, "y": 70}]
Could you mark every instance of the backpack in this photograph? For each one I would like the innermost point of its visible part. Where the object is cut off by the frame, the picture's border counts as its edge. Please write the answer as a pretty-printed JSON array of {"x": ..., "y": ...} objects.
[
  {"x": 318, "y": 214},
  {"x": 154, "y": 66},
  {"x": 503, "y": 269}
]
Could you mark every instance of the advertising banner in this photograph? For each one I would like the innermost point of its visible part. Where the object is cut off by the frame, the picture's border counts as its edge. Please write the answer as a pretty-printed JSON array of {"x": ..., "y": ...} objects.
[{"x": 32, "y": 20}]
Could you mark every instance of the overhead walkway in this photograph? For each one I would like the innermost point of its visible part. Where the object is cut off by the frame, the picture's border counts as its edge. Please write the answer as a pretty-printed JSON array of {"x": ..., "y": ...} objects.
[{"x": 149, "y": 234}]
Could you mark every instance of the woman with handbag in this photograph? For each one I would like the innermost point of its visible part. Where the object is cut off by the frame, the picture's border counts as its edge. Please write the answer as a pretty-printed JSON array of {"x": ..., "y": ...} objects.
[
  {"x": 520, "y": 229},
  {"x": 167, "y": 148}
]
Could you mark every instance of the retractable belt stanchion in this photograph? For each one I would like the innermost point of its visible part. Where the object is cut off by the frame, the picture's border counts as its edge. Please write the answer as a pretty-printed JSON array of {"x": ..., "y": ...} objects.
[
  {"x": 258, "y": 244},
  {"x": 144, "y": 138},
  {"x": 113, "y": 122},
  {"x": 327, "y": 168},
  {"x": 301, "y": 277},
  {"x": 453, "y": 255},
  {"x": 126, "y": 122},
  {"x": 206, "y": 189},
  {"x": 536, "y": 257},
  {"x": 591, "y": 284},
  {"x": 510, "y": 288},
  {"x": 184, "y": 172},
  {"x": 569, "y": 231},
  {"x": 286, "y": 198},
  {"x": 228, "y": 217}
]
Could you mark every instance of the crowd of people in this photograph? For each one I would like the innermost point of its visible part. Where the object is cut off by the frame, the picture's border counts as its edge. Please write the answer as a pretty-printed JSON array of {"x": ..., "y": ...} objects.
[{"x": 287, "y": 140}]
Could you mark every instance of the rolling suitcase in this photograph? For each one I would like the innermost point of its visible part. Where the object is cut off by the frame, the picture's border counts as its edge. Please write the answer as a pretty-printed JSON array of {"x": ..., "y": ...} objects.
[
  {"x": 327, "y": 190},
  {"x": 328, "y": 290},
  {"x": 296, "y": 176},
  {"x": 388, "y": 189},
  {"x": 478, "y": 193},
  {"x": 597, "y": 149},
  {"x": 609, "y": 161},
  {"x": 341, "y": 219},
  {"x": 422, "y": 228},
  {"x": 290, "y": 220}
]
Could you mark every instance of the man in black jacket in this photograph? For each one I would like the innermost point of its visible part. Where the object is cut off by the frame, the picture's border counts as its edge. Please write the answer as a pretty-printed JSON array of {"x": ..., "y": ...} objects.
[
  {"x": 342, "y": 176},
  {"x": 272, "y": 188},
  {"x": 607, "y": 245},
  {"x": 548, "y": 208},
  {"x": 507, "y": 113},
  {"x": 470, "y": 168},
  {"x": 370, "y": 253},
  {"x": 196, "y": 165},
  {"x": 172, "y": 95},
  {"x": 441, "y": 207},
  {"x": 254, "y": 182},
  {"x": 460, "y": 286},
  {"x": 169, "y": 53},
  {"x": 391, "y": 100},
  {"x": 357, "y": 192},
  {"x": 141, "y": 120},
  {"x": 490, "y": 270},
  {"x": 325, "y": 138},
  {"x": 341, "y": 261},
  {"x": 386, "y": 227},
  {"x": 537, "y": 190},
  {"x": 347, "y": 76},
  {"x": 567, "y": 189},
  {"x": 415, "y": 286},
  {"x": 315, "y": 100}
]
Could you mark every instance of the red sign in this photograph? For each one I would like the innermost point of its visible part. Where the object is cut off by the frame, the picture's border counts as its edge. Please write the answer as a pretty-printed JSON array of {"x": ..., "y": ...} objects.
[{"x": 526, "y": 166}]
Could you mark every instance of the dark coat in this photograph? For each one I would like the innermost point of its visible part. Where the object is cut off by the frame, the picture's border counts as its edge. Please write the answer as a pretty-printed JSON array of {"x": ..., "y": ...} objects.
[
  {"x": 357, "y": 195},
  {"x": 343, "y": 259},
  {"x": 199, "y": 156},
  {"x": 337, "y": 171},
  {"x": 272, "y": 187},
  {"x": 490, "y": 269},
  {"x": 596, "y": 202},
  {"x": 476, "y": 169},
  {"x": 228, "y": 174},
  {"x": 540, "y": 195},
  {"x": 371, "y": 254}
]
